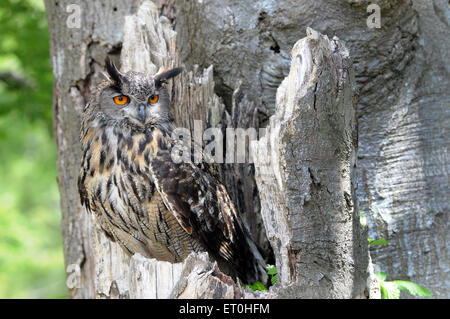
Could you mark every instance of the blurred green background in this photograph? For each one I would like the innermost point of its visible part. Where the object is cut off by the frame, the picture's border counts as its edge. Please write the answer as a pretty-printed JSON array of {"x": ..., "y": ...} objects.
[{"x": 31, "y": 254}]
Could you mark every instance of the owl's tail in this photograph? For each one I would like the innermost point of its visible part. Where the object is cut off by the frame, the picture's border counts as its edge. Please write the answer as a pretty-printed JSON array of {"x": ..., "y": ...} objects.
[
  {"x": 246, "y": 261},
  {"x": 254, "y": 266}
]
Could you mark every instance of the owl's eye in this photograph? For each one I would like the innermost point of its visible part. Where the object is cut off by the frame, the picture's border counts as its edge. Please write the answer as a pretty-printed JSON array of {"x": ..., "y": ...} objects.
[
  {"x": 154, "y": 98},
  {"x": 121, "y": 99}
]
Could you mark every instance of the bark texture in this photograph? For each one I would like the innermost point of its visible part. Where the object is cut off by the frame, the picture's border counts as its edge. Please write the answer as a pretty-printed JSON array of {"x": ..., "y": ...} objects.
[
  {"x": 306, "y": 191},
  {"x": 319, "y": 83},
  {"x": 137, "y": 40},
  {"x": 305, "y": 174},
  {"x": 77, "y": 56},
  {"x": 402, "y": 80}
]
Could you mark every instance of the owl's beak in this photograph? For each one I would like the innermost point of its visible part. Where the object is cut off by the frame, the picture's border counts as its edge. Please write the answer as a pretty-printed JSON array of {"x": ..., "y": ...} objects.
[{"x": 141, "y": 113}]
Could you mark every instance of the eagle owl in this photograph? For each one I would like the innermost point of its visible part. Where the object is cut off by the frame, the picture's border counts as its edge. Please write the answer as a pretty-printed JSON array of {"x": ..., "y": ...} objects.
[{"x": 140, "y": 197}]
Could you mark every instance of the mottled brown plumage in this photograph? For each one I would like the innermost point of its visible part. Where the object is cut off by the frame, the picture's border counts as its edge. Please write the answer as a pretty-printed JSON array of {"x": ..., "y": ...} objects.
[{"x": 140, "y": 197}]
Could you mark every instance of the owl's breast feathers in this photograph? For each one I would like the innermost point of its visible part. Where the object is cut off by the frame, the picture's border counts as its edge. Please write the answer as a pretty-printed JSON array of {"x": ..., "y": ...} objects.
[
  {"x": 115, "y": 184},
  {"x": 159, "y": 208}
]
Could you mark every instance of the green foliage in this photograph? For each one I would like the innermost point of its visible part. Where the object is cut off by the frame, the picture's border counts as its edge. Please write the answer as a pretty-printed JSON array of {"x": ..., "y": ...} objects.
[
  {"x": 26, "y": 79},
  {"x": 391, "y": 289},
  {"x": 362, "y": 219},
  {"x": 272, "y": 272},
  {"x": 31, "y": 259},
  {"x": 256, "y": 286},
  {"x": 413, "y": 288},
  {"x": 377, "y": 242}
]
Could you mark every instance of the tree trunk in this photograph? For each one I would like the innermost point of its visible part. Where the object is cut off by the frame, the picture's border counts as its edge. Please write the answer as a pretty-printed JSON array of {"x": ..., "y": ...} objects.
[
  {"x": 307, "y": 189},
  {"x": 77, "y": 54},
  {"x": 305, "y": 169},
  {"x": 402, "y": 80}
]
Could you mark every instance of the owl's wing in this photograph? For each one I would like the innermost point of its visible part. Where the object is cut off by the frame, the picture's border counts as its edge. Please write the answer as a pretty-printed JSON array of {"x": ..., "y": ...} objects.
[
  {"x": 200, "y": 204},
  {"x": 204, "y": 209},
  {"x": 207, "y": 164}
]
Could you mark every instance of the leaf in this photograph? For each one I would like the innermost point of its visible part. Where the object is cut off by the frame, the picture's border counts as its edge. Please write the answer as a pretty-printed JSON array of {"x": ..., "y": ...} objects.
[
  {"x": 389, "y": 290},
  {"x": 258, "y": 286},
  {"x": 381, "y": 276},
  {"x": 362, "y": 219},
  {"x": 274, "y": 279},
  {"x": 377, "y": 242},
  {"x": 271, "y": 270},
  {"x": 413, "y": 288}
]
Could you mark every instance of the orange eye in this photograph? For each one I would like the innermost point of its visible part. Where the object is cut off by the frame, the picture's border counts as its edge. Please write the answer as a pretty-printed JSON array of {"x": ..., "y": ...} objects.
[
  {"x": 121, "y": 99},
  {"x": 154, "y": 98}
]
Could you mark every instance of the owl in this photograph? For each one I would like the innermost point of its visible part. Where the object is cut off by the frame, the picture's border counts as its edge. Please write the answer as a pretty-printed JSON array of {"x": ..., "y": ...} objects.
[{"x": 140, "y": 197}]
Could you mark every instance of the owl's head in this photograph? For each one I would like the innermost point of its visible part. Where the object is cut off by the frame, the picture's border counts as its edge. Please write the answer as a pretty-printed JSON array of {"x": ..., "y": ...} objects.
[{"x": 137, "y": 98}]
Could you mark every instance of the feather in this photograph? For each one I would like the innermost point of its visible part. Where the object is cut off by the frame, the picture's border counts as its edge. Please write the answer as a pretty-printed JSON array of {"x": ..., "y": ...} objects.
[
  {"x": 145, "y": 201},
  {"x": 162, "y": 78},
  {"x": 113, "y": 72},
  {"x": 204, "y": 209}
]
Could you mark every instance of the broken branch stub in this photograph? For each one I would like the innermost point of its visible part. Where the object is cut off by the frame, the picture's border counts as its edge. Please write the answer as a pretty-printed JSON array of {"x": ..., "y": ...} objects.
[{"x": 304, "y": 171}]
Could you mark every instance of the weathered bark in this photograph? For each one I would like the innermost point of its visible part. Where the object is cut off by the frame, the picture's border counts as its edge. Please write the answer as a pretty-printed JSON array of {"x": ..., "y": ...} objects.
[
  {"x": 402, "y": 80},
  {"x": 305, "y": 168},
  {"x": 133, "y": 33},
  {"x": 305, "y": 174},
  {"x": 76, "y": 56}
]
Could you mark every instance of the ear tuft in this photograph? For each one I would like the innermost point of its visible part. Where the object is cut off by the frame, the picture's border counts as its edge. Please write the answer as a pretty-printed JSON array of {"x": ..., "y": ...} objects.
[
  {"x": 113, "y": 73},
  {"x": 162, "y": 78}
]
